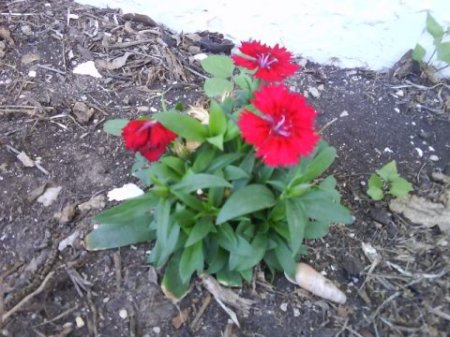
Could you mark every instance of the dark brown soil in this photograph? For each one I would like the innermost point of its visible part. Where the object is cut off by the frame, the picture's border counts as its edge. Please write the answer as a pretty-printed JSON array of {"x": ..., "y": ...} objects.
[{"x": 369, "y": 117}]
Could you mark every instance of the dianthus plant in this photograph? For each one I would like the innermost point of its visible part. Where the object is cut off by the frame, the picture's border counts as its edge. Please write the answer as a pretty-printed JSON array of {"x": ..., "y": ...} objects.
[{"x": 230, "y": 185}]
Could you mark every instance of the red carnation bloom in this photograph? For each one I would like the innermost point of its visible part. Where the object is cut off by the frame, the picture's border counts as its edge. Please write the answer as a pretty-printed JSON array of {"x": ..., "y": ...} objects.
[
  {"x": 284, "y": 131},
  {"x": 271, "y": 64},
  {"x": 148, "y": 137}
]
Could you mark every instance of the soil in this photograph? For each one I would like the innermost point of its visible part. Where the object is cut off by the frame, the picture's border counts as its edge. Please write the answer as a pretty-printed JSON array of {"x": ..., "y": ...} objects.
[{"x": 371, "y": 118}]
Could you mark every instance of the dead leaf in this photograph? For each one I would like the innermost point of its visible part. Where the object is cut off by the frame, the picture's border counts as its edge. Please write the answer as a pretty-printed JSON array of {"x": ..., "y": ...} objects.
[
  {"x": 30, "y": 58},
  {"x": 181, "y": 318},
  {"x": 82, "y": 112},
  {"x": 67, "y": 214},
  {"x": 117, "y": 63},
  {"x": 97, "y": 202},
  {"x": 5, "y": 34},
  {"x": 425, "y": 212},
  {"x": 140, "y": 18}
]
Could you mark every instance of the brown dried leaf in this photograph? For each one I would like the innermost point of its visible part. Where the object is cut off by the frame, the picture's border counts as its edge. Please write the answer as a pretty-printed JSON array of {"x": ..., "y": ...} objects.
[
  {"x": 5, "y": 34},
  {"x": 115, "y": 64},
  {"x": 181, "y": 318}
]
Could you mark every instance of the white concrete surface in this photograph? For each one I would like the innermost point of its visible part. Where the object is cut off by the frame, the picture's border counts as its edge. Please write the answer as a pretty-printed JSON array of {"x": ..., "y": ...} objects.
[{"x": 348, "y": 33}]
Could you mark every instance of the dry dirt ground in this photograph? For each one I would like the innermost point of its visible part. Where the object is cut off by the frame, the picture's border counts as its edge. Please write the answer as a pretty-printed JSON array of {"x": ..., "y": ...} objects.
[{"x": 55, "y": 117}]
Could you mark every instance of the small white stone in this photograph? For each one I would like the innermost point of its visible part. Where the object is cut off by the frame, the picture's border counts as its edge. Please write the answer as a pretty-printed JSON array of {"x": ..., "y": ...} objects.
[
  {"x": 344, "y": 113},
  {"x": 152, "y": 109},
  {"x": 296, "y": 312},
  {"x": 156, "y": 329},
  {"x": 321, "y": 87},
  {"x": 388, "y": 150},
  {"x": 200, "y": 57},
  {"x": 283, "y": 306},
  {"x": 87, "y": 68},
  {"x": 79, "y": 322},
  {"x": 314, "y": 92},
  {"x": 397, "y": 110},
  {"x": 419, "y": 152},
  {"x": 32, "y": 73},
  {"x": 433, "y": 157},
  {"x": 127, "y": 191},
  {"x": 399, "y": 93},
  {"x": 123, "y": 313},
  {"x": 431, "y": 148}
]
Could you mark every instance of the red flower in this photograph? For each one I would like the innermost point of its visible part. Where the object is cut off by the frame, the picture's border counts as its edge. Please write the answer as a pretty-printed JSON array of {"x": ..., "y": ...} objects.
[
  {"x": 271, "y": 64},
  {"x": 284, "y": 131},
  {"x": 148, "y": 137}
]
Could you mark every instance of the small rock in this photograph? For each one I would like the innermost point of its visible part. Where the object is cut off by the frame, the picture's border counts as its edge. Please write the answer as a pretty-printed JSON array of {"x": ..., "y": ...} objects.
[
  {"x": 127, "y": 191},
  {"x": 156, "y": 329},
  {"x": 314, "y": 92},
  {"x": 87, "y": 68},
  {"x": 200, "y": 56},
  {"x": 321, "y": 87},
  {"x": 344, "y": 114},
  {"x": 381, "y": 216},
  {"x": 25, "y": 160},
  {"x": 49, "y": 196},
  {"x": 400, "y": 93},
  {"x": 26, "y": 30},
  {"x": 79, "y": 322},
  {"x": 352, "y": 266},
  {"x": 82, "y": 112},
  {"x": 283, "y": 306},
  {"x": 194, "y": 50},
  {"x": 424, "y": 134},
  {"x": 433, "y": 157},
  {"x": 123, "y": 313},
  {"x": 69, "y": 241},
  {"x": 388, "y": 150},
  {"x": 296, "y": 312},
  {"x": 32, "y": 73},
  {"x": 419, "y": 152}
]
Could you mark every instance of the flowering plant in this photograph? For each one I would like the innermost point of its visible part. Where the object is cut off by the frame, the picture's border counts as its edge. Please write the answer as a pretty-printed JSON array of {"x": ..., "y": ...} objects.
[{"x": 229, "y": 186}]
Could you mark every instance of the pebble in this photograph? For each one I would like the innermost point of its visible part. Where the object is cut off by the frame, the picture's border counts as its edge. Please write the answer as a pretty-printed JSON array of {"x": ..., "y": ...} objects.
[
  {"x": 123, "y": 313},
  {"x": 344, "y": 114},
  {"x": 32, "y": 73},
  {"x": 314, "y": 92},
  {"x": 283, "y": 306},
  {"x": 399, "y": 93},
  {"x": 424, "y": 134},
  {"x": 388, "y": 150},
  {"x": 433, "y": 157},
  {"x": 296, "y": 312},
  {"x": 79, "y": 322},
  {"x": 431, "y": 148},
  {"x": 157, "y": 329},
  {"x": 419, "y": 152}
]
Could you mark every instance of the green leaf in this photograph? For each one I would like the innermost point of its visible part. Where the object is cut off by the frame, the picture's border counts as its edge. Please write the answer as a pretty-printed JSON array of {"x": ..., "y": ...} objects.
[
  {"x": 244, "y": 81},
  {"x": 192, "y": 260},
  {"x": 229, "y": 278},
  {"x": 200, "y": 181},
  {"x": 320, "y": 206},
  {"x": 418, "y": 53},
  {"x": 125, "y": 224},
  {"x": 175, "y": 163},
  {"x": 217, "y": 141},
  {"x": 183, "y": 125},
  {"x": 218, "y": 65},
  {"x": 388, "y": 171},
  {"x": 205, "y": 155},
  {"x": 400, "y": 187},
  {"x": 217, "y": 87},
  {"x": 284, "y": 256},
  {"x": 319, "y": 164},
  {"x": 233, "y": 173},
  {"x": 246, "y": 200},
  {"x": 316, "y": 229},
  {"x": 244, "y": 262},
  {"x": 375, "y": 190},
  {"x": 218, "y": 261},
  {"x": 223, "y": 160},
  {"x": 232, "y": 131},
  {"x": 434, "y": 28},
  {"x": 443, "y": 51},
  {"x": 167, "y": 233},
  {"x": 172, "y": 285},
  {"x": 114, "y": 126},
  {"x": 297, "y": 223},
  {"x": 217, "y": 119},
  {"x": 199, "y": 231},
  {"x": 188, "y": 200}
]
